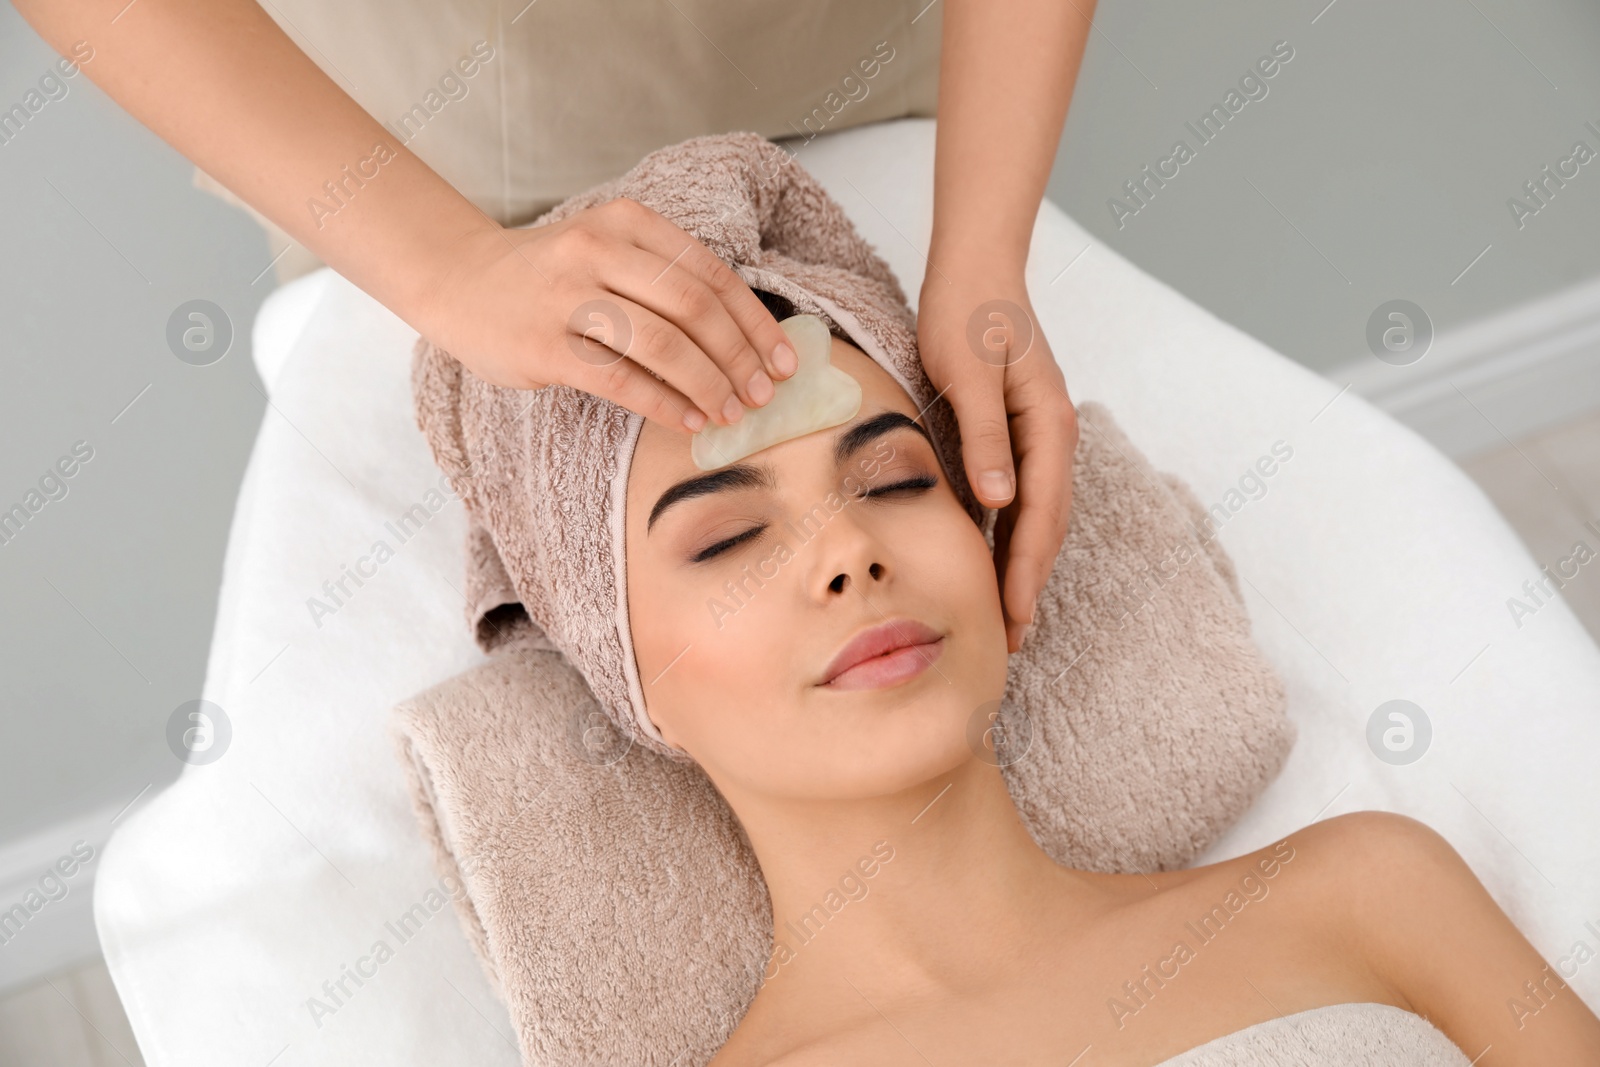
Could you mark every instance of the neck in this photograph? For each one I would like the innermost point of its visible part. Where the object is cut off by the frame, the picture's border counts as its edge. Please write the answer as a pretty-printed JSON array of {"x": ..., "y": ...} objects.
[{"x": 932, "y": 888}]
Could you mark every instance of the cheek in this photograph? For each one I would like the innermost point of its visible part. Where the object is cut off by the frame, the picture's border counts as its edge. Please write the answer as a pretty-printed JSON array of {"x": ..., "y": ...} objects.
[
  {"x": 704, "y": 645},
  {"x": 947, "y": 555}
]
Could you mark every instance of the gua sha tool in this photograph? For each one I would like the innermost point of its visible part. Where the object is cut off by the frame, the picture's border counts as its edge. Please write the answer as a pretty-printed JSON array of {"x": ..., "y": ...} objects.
[{"x": 818, "y": 395}]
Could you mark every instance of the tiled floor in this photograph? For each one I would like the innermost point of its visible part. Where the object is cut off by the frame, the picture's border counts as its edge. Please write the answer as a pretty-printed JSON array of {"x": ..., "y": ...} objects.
[
  {"x": 72, "y": 1019},
  {"x": 1547, "y": 485}
]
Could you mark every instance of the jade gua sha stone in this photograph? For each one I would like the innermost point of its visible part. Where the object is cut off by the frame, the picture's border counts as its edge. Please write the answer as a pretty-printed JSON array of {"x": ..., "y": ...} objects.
[{"x": 818, "y": 395}]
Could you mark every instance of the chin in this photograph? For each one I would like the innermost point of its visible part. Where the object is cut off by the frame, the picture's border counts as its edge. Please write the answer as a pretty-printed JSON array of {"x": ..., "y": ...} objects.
[
  {"x": 853, "y": 744},
  {"x": 887, "y": 740}
]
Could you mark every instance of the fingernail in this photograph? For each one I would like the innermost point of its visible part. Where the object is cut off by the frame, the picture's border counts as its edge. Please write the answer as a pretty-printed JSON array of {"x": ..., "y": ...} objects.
[
  {"x": 996, "y": 484},
  {"x": 760, "y": 387},
  {"x": 694, "y": 420},
  {"x": 1026, "y": 630},
  {"x": 733, "y": 411},
  {"x": 784, "y": 359}
]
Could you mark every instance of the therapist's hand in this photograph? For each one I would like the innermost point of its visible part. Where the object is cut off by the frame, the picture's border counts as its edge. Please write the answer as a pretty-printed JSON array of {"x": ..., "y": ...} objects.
[
  {"x": 1000, "y": 123},
  {"x": 224, "y": 85},
  {"x": 599, "y": 300},
  {"x": 1019, "y": 430}
]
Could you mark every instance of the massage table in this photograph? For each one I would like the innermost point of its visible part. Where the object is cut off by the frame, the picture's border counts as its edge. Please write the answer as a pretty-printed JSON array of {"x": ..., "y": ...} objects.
[{"x": 240, "y": 909}]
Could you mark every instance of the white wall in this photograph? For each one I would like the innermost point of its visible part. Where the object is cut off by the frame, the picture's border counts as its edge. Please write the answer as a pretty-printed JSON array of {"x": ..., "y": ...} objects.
[
  {"x": 107, "y": 594},
  {"x": 1377, "y": 166}
]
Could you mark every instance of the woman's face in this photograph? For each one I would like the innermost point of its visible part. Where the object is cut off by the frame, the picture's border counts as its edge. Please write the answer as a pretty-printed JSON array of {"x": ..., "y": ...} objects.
[{"x": 747, "y": 584}]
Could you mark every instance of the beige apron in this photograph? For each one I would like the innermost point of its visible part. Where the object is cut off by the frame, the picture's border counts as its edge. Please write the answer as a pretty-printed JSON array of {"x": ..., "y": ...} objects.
[{"x": 519, "y": 107}]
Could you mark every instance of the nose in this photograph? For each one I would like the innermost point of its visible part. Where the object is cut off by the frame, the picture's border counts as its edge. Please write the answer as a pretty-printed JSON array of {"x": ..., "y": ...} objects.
[
  {"x": 842, "y": 581},
  {"x": 850, "y": 559}
]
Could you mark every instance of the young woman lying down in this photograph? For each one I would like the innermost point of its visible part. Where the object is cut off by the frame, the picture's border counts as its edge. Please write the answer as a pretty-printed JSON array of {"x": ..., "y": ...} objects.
[{"x": 831, "y": 712}]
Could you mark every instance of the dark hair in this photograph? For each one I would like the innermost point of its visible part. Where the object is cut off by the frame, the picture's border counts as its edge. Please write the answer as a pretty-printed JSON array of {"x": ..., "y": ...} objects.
[{"x": 780, "y": 306}]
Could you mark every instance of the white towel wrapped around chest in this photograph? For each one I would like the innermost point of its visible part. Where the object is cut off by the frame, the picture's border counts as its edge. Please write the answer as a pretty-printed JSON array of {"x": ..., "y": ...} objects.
[{"x": 1359, "y": 1034}]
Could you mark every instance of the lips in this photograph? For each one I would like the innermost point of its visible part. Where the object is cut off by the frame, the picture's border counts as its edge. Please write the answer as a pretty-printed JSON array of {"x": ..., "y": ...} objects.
[{"x": 884, "y": 655}]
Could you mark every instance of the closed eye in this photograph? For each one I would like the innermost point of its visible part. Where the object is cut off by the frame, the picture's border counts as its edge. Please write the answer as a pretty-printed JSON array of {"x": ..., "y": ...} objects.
[
  {"x": 917, "y": 484},
  {"x": 722, "y": 546}
]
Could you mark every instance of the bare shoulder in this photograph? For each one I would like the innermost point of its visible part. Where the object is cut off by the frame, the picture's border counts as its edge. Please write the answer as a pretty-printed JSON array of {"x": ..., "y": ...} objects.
[
  {"x": 1359, "y": 860},
  {"x": 1396, "y": 891}
]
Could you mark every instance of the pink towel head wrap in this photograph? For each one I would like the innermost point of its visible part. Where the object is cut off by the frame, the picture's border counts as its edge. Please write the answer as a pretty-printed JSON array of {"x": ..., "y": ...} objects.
[{"x": 544, "y": 473}]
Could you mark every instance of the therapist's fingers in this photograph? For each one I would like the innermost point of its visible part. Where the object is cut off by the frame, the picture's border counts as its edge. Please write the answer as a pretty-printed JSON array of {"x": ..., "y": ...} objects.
[
  {"x": 1030, "y": 531},
  {"x": 656, "y": 344},
  {"x": 978, "y": 398},
  {"x": 760, "y": 333},
  {"x": 601, "y": 340},
  {"x": 699, "y": 315}
]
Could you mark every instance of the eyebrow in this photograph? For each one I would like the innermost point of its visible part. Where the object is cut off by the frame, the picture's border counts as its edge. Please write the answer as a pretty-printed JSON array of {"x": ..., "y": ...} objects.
[
  {"x": 863, "y": 433},
  {"x": 751, "y": 476}
]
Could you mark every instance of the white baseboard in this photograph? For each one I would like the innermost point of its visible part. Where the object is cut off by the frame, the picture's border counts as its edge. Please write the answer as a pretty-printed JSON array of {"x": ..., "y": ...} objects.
[
  {"x": 1506, "y": 376},
  {"x": 60, "y": 932}
]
